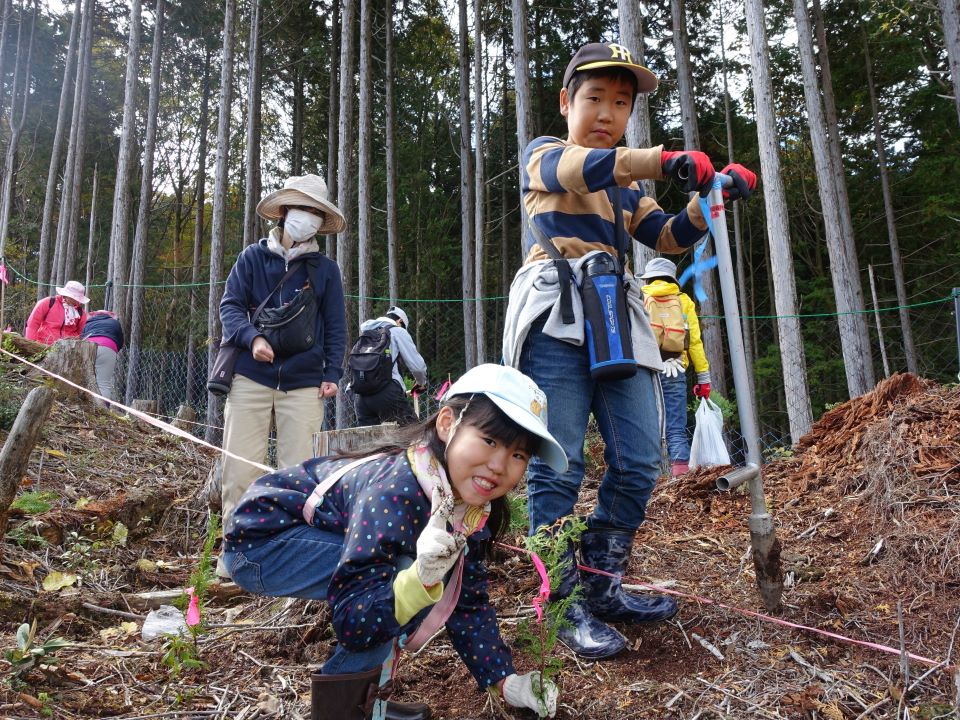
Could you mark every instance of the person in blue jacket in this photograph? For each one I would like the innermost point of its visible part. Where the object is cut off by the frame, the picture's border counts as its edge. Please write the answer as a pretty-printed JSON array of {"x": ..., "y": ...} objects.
[
  {"x": 394, "y": 541},
  {"x": 105, "y": 331},
  {"x": 266, "y": 385}
]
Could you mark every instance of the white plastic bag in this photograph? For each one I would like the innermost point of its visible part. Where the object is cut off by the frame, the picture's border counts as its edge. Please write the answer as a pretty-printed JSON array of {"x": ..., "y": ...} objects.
[
  {"x": 165, "y": 620},
  {"x": 708, "y": 447}
]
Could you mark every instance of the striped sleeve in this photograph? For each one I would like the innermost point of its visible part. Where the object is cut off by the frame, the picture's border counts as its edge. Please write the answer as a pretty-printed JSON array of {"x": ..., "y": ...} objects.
[{"x": 552, "y": 165}]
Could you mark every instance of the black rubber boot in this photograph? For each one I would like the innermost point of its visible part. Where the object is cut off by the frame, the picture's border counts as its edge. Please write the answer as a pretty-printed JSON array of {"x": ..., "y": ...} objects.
[
  {"x": 586, "y": 636},
  {"x": 351, "y": 697},
  {"x": 609, "y": 550}
]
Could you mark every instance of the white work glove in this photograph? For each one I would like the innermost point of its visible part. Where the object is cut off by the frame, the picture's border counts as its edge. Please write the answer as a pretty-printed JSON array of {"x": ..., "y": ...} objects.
[
  {"x": 522, "y": 691},
  {"x": 438, "y": 549},
  {"x": 672, "y": 367}
]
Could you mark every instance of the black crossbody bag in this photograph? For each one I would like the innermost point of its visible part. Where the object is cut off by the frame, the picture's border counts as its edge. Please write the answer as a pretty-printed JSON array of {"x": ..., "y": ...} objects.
[{"x": 289, "y": 329}]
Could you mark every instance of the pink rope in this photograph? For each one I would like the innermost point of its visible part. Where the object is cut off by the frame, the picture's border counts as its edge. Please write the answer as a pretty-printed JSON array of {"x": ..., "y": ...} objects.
[{"x": 751, "y": 613}]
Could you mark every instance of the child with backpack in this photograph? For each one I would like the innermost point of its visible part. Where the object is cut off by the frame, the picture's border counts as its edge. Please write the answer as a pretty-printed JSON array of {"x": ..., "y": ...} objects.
[
  {"x": 374, "y": 367},
  {"x": 394, "y": 541},
  {"x": 585, "y": 206},
  {"x": 673, "y": 317}
]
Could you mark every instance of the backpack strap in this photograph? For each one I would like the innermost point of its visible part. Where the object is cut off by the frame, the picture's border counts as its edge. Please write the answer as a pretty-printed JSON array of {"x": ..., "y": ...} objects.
[
  {"x": 620, "y": 237},
  {"x": 310, "y": 507}
]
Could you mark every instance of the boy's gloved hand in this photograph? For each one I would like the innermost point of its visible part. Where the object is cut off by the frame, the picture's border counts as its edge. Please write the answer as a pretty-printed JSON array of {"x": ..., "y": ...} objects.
[
  {"x": 691, "y": 167},
  {"x": 438, "y": 549},
  {"x": 521, "y": 691},
  {"x": 744, "y": 182},
  {"x": 672, "y": 367},
  {"x": 702, "y": 390}
]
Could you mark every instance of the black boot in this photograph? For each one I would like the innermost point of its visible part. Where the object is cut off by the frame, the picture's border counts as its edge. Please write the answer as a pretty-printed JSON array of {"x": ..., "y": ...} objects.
[
  {"x": 351, "y": 697},
  {"x": 609, "y": 550},
  {"x": 585, "y": 635}
]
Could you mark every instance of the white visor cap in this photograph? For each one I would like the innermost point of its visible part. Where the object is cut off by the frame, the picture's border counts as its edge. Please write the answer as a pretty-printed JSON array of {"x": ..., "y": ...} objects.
[{"x": 520, "y": 400}]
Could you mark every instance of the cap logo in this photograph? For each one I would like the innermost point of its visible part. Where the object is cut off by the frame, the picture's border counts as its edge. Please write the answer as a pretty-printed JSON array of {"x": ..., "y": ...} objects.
[
  {"x": 620, "y": 52},
  {"x": 535, "y": 407}
]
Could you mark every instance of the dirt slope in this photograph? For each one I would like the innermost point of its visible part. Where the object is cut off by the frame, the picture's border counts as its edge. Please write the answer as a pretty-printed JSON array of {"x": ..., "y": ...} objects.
[{"x": 867, "y": 510}]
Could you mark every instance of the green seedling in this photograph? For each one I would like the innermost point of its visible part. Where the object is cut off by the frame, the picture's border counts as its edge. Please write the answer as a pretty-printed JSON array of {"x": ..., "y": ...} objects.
[
  {"x": 35, "y": 503},
  {"x": 183, "y": 653},
  {"x": 28, "y": 653},
  {"x": 180, "y": 653},
  {"x": 552, "y": 544},
  {"x": 27, "y": 535},
  {"x": 79, "y": 552}
]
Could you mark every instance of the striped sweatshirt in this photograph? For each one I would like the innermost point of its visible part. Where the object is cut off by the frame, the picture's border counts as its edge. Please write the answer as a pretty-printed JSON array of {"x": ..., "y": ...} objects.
[{"x": 568, "y": 192}]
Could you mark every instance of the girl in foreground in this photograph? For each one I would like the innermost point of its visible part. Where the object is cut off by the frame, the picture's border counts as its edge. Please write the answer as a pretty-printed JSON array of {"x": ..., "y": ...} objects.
[{"x": 394, "y": 541}]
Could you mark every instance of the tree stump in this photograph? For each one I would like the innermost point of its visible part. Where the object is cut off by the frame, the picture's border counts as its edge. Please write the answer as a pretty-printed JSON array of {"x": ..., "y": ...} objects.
[
  {"x": 20, "y": 442},
  {"x": 186, "y": 418},
  {"x": 74, "y": 360},
  {"x": 150, "y": 407},
  {"x": 24, "y": 347}
]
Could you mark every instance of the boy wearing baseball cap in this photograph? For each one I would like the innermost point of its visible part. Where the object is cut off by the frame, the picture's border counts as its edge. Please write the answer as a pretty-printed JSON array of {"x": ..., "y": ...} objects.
[{"x": 576, "y": 191}]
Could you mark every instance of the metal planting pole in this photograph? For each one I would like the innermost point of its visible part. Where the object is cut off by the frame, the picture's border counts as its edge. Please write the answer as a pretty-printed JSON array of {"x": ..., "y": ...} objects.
[
  {"x": 956, "y": 318},
  {"x": 763, "y": 537}
]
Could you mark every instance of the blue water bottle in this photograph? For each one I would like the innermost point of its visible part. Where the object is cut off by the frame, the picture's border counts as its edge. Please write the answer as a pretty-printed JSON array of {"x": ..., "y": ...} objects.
[{"x": 605, "y": 320}]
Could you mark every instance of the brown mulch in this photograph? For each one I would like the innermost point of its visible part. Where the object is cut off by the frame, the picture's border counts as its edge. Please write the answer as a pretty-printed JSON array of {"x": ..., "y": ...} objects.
[{"x": 867, "y": 510}]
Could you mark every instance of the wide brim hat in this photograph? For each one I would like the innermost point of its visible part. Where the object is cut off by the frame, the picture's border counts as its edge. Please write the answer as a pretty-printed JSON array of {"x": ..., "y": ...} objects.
[
  {"x": 520, "y": 400},
  {"x": 595, "y": 56},
  {"x": 659, "y": 267},
  {"x": 309, "y": 190},
  {"x": 75, "y": 291}
]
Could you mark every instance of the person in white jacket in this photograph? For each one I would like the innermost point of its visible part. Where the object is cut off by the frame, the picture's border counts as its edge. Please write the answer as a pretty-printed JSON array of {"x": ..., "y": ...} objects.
[{"x": 390, "y": 403}]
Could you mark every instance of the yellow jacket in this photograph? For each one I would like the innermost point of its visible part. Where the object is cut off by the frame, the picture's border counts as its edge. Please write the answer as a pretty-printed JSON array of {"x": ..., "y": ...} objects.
[{"x": 660, "y": 288}]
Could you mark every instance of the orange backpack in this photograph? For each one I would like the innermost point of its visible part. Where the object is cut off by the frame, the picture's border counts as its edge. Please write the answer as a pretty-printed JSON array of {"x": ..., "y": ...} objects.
[{"x": 668, "y": 322}]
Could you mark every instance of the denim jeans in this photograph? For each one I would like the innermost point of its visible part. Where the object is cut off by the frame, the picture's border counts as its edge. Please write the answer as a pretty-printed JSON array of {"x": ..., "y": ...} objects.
[
  {"x": 675, "y": 410},
  {"x": 628, "y": 416},
  {"x": 299, "y": 562}
]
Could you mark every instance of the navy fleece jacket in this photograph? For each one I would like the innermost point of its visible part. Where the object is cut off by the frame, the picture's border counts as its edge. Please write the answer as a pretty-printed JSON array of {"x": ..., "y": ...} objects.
[
  {"x": 380, "y": 510},
  {"x": 254, "y": 275}
]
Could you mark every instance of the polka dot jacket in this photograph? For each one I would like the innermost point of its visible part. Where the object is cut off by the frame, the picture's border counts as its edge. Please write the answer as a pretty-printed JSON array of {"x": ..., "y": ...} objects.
[{"x": 380, "y": 509}]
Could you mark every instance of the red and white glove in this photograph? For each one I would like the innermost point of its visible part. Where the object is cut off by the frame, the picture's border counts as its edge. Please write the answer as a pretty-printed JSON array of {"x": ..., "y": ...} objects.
[
  {"x": 744, "y": 182},
  {"x": 691, "y": 167},
  {"x": 702, "y": 390}
]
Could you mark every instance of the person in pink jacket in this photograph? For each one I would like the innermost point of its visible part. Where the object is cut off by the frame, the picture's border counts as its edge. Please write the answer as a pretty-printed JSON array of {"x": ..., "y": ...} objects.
[{"x": 59, "y": 316}]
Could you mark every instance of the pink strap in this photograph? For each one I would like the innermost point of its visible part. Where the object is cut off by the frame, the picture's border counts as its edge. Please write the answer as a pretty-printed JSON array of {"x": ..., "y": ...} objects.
[
  {"x": 440, "y": 612},
  {"x": 328, "y": 482}
]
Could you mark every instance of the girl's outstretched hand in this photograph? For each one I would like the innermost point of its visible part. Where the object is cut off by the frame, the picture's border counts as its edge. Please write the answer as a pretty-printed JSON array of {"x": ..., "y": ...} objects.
[
  {"x": 438, "y": 549},
  {"x": 523, "y": 691}
]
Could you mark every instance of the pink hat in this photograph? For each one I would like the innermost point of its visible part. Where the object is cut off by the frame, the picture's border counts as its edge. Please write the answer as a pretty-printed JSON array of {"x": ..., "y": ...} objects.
[{"x": 75, "y": 291}]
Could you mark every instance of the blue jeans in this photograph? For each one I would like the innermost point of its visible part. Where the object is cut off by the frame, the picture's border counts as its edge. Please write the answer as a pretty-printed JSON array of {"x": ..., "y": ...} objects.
[
  {"x": 628, "y": 417},
  {"x": 299, "y": 562},
  {"x": 675, "y": 410}
]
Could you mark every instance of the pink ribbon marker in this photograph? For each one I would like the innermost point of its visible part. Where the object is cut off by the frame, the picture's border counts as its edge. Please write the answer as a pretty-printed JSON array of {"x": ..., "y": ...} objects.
[
  {"x": 544, "y": 593},
  {"x": 442, "y": 391},
  {"x": 193, "y": 612},
  {"x": 3, "y": 274}
]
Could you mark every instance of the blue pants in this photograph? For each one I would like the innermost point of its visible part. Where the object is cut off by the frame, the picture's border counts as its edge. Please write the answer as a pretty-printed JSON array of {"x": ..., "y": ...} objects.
[
  {"x": 299, "y": 562},
  {"x": 628, "y": 417},
  {"x": 675, "y": 411}
]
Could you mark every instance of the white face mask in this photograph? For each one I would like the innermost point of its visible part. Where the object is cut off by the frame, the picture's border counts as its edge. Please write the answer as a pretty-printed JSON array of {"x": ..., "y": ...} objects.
[{"x": 300, "y": 225}]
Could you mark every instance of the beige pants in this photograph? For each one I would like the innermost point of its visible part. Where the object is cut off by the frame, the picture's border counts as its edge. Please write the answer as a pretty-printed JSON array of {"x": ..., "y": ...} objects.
[{"x": 246, "y": 430}]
